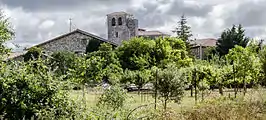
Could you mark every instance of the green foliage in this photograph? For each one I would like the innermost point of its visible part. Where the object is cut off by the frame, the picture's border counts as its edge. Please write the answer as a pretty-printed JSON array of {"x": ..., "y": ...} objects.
[
  {"x": 6, "y": 34},
  {"x": 26, "y": 92},
  {"x": 93, "y": 45},
  {"x": 111, "y": 68},
  {"x": 245, "y": 62},
  {"x": 170, "y": 85},
  {"x": 138, "y": 77},
  {"x": 62, "y": 61},
  {"x": 33, "y": 53},
  {"x": 113, "y": 97},
  {"x": 140, "y": 53},
  {"x": 136, "y": 54},
  {"x": 87, "y": 71},
  {"x": 230, "y": 38},
  {"x": 171, "y": 50},
  {"x": 183, "y": 30},
  {"x": 263, "y": 65}
]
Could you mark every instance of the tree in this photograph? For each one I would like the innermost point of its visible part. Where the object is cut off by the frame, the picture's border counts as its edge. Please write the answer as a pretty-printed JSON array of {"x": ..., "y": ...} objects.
[
  {"x": 27, "y": 93},
  {"x": 244, "y": 60},
  {"x": 170, "y": 85},
  {"x": 183, "y": 31},
  {"x": 231, "y": 37},
  {"x": 62, "y": 61},
  {"x": 6, "y": 34},
  {"x": 137, "y": 77},
  {"x": 87, "y": 71},
  {"x": 263, "y": 65},
  {"x": 33, "y": 53},
  {"x": 141, "y": 53},
  {"x": 170, "y": 50},
  {"x": 93, "y": 45},
  {"x": 136, "y": 53},
  {"x": 111, "y": 67}
]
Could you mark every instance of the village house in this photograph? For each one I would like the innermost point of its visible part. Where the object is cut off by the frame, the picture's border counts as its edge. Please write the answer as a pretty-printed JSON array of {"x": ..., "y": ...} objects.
[{"x": 200, "y": 46}]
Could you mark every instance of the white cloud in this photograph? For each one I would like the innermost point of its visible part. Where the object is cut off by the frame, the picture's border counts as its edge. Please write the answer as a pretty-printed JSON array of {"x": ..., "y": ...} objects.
[{"x": 46, "y": 24}]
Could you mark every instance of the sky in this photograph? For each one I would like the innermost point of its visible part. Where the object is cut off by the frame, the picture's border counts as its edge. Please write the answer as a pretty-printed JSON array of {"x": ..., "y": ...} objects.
[{"x": 36, "y": 21}]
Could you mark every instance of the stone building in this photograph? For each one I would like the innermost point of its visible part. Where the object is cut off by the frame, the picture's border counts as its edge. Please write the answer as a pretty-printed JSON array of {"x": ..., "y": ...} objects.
[
  {"x": 200, "y": 46},
  {"x": 123, "y": 26},
  {"x": 75, "y": 41},
  {"x": 120, "y": 26}
]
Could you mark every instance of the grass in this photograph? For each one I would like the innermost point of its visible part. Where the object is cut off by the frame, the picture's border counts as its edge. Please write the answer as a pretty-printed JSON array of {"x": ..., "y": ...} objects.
[
  {"x": 134, "y": 99},
  {"x": 213, "y": 106}
]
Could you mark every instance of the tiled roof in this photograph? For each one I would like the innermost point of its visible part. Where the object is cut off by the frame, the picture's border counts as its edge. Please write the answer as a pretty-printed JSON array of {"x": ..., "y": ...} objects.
[
  {"x": 209, "y": 42},
  {"x": 151, "y": 33}
]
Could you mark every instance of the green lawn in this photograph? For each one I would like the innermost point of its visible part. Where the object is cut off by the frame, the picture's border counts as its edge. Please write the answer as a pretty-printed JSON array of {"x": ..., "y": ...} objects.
[{"x": 134, "y": 99}]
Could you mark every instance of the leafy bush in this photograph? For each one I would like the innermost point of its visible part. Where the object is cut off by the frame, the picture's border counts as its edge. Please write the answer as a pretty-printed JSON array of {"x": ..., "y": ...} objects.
[
  {"x": 33, "y": 54},
  {"x": 28, "y": 90},
  {"x": 114, "y": 98}
]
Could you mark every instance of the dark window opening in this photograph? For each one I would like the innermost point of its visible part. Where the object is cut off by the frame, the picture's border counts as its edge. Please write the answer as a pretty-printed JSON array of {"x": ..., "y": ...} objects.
[
  {"x": 120, "y": 21},
  {"x": 116, "y": 34},
  {"x": 113, "y": 22}
]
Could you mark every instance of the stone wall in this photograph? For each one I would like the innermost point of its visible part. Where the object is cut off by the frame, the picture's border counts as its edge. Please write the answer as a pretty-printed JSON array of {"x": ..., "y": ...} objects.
[{"x": 75, "y": 42}]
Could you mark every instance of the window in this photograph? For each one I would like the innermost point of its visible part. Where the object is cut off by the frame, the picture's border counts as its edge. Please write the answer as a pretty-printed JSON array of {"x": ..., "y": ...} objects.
[
  {"x": 113, "y": 22},
  {"x": 119, "y": 21},
  {"x": 116, "y": 34}
]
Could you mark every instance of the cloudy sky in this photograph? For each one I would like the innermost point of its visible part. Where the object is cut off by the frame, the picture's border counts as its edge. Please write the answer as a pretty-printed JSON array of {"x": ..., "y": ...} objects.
[{"x": 36, "y": 21}]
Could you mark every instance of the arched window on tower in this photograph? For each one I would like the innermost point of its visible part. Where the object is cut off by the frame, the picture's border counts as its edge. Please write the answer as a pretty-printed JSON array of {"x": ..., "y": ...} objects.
[
  {"x": 113, "y": 22},
  {"x": 119, "y": 21},
  {"x": 116, "y": 34}
]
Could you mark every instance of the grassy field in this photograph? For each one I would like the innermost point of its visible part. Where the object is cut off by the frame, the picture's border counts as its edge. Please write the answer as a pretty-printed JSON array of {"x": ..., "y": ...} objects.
[{"x": 135, "y": 100}]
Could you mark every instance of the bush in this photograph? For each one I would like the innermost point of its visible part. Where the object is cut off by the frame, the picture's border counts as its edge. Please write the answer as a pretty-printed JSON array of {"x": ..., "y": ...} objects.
[
  {"x": 29, "y": 90},
  {"x": 113, "y": 97}
]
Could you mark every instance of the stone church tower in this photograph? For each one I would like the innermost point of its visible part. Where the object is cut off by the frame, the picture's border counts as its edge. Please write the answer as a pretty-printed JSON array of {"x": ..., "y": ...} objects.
[{"x": 121, "y": 26}]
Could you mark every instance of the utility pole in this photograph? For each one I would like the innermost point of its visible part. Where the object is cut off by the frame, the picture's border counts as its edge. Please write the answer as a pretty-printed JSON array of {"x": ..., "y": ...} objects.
[{"x": 70, "y": 24}]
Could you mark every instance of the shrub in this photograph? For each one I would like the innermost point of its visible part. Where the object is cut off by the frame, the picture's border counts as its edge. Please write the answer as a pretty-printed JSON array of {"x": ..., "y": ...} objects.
[
  {"x": 28, "y": 90},
  {"x": 113, "y": 97}
]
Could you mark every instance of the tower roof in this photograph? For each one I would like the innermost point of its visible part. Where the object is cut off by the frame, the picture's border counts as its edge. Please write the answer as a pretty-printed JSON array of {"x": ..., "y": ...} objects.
[{"x": 118, "y": 13}]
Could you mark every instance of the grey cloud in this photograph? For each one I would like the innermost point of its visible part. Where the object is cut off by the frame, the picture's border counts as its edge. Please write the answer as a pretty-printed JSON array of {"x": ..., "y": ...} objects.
[
  {"x": 249, "y": 13},
  {"x": 90, "y": 15},
  {"x": 150, "y": 16},
  {"x": 179, "y": 7},
  {"x": 50, "y": 5}
]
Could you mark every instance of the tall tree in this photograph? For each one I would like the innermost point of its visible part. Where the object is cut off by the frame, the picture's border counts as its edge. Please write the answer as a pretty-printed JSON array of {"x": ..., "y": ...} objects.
[
  {"x": 6, "y": 33},
  {"x": 230, "y": 38},
  {"x": 183, "y": 31}
]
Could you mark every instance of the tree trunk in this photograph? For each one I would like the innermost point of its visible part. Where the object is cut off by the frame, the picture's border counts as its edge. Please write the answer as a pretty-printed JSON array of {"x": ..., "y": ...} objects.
[
  {"x": 202, "y": 95},
  {"x": 235, "y": 89},
  {"x": 191, "y": 90},
  {"x": 165, "y": 104},
  {"x": 245, "y": 87},
  {"x": 196, "y": 94},
  {"x": 221, "y": 90}
]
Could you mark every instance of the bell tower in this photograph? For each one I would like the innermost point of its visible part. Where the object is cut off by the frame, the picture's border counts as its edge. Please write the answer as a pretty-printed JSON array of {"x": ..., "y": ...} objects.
[{"x": 121, "y": 26}]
